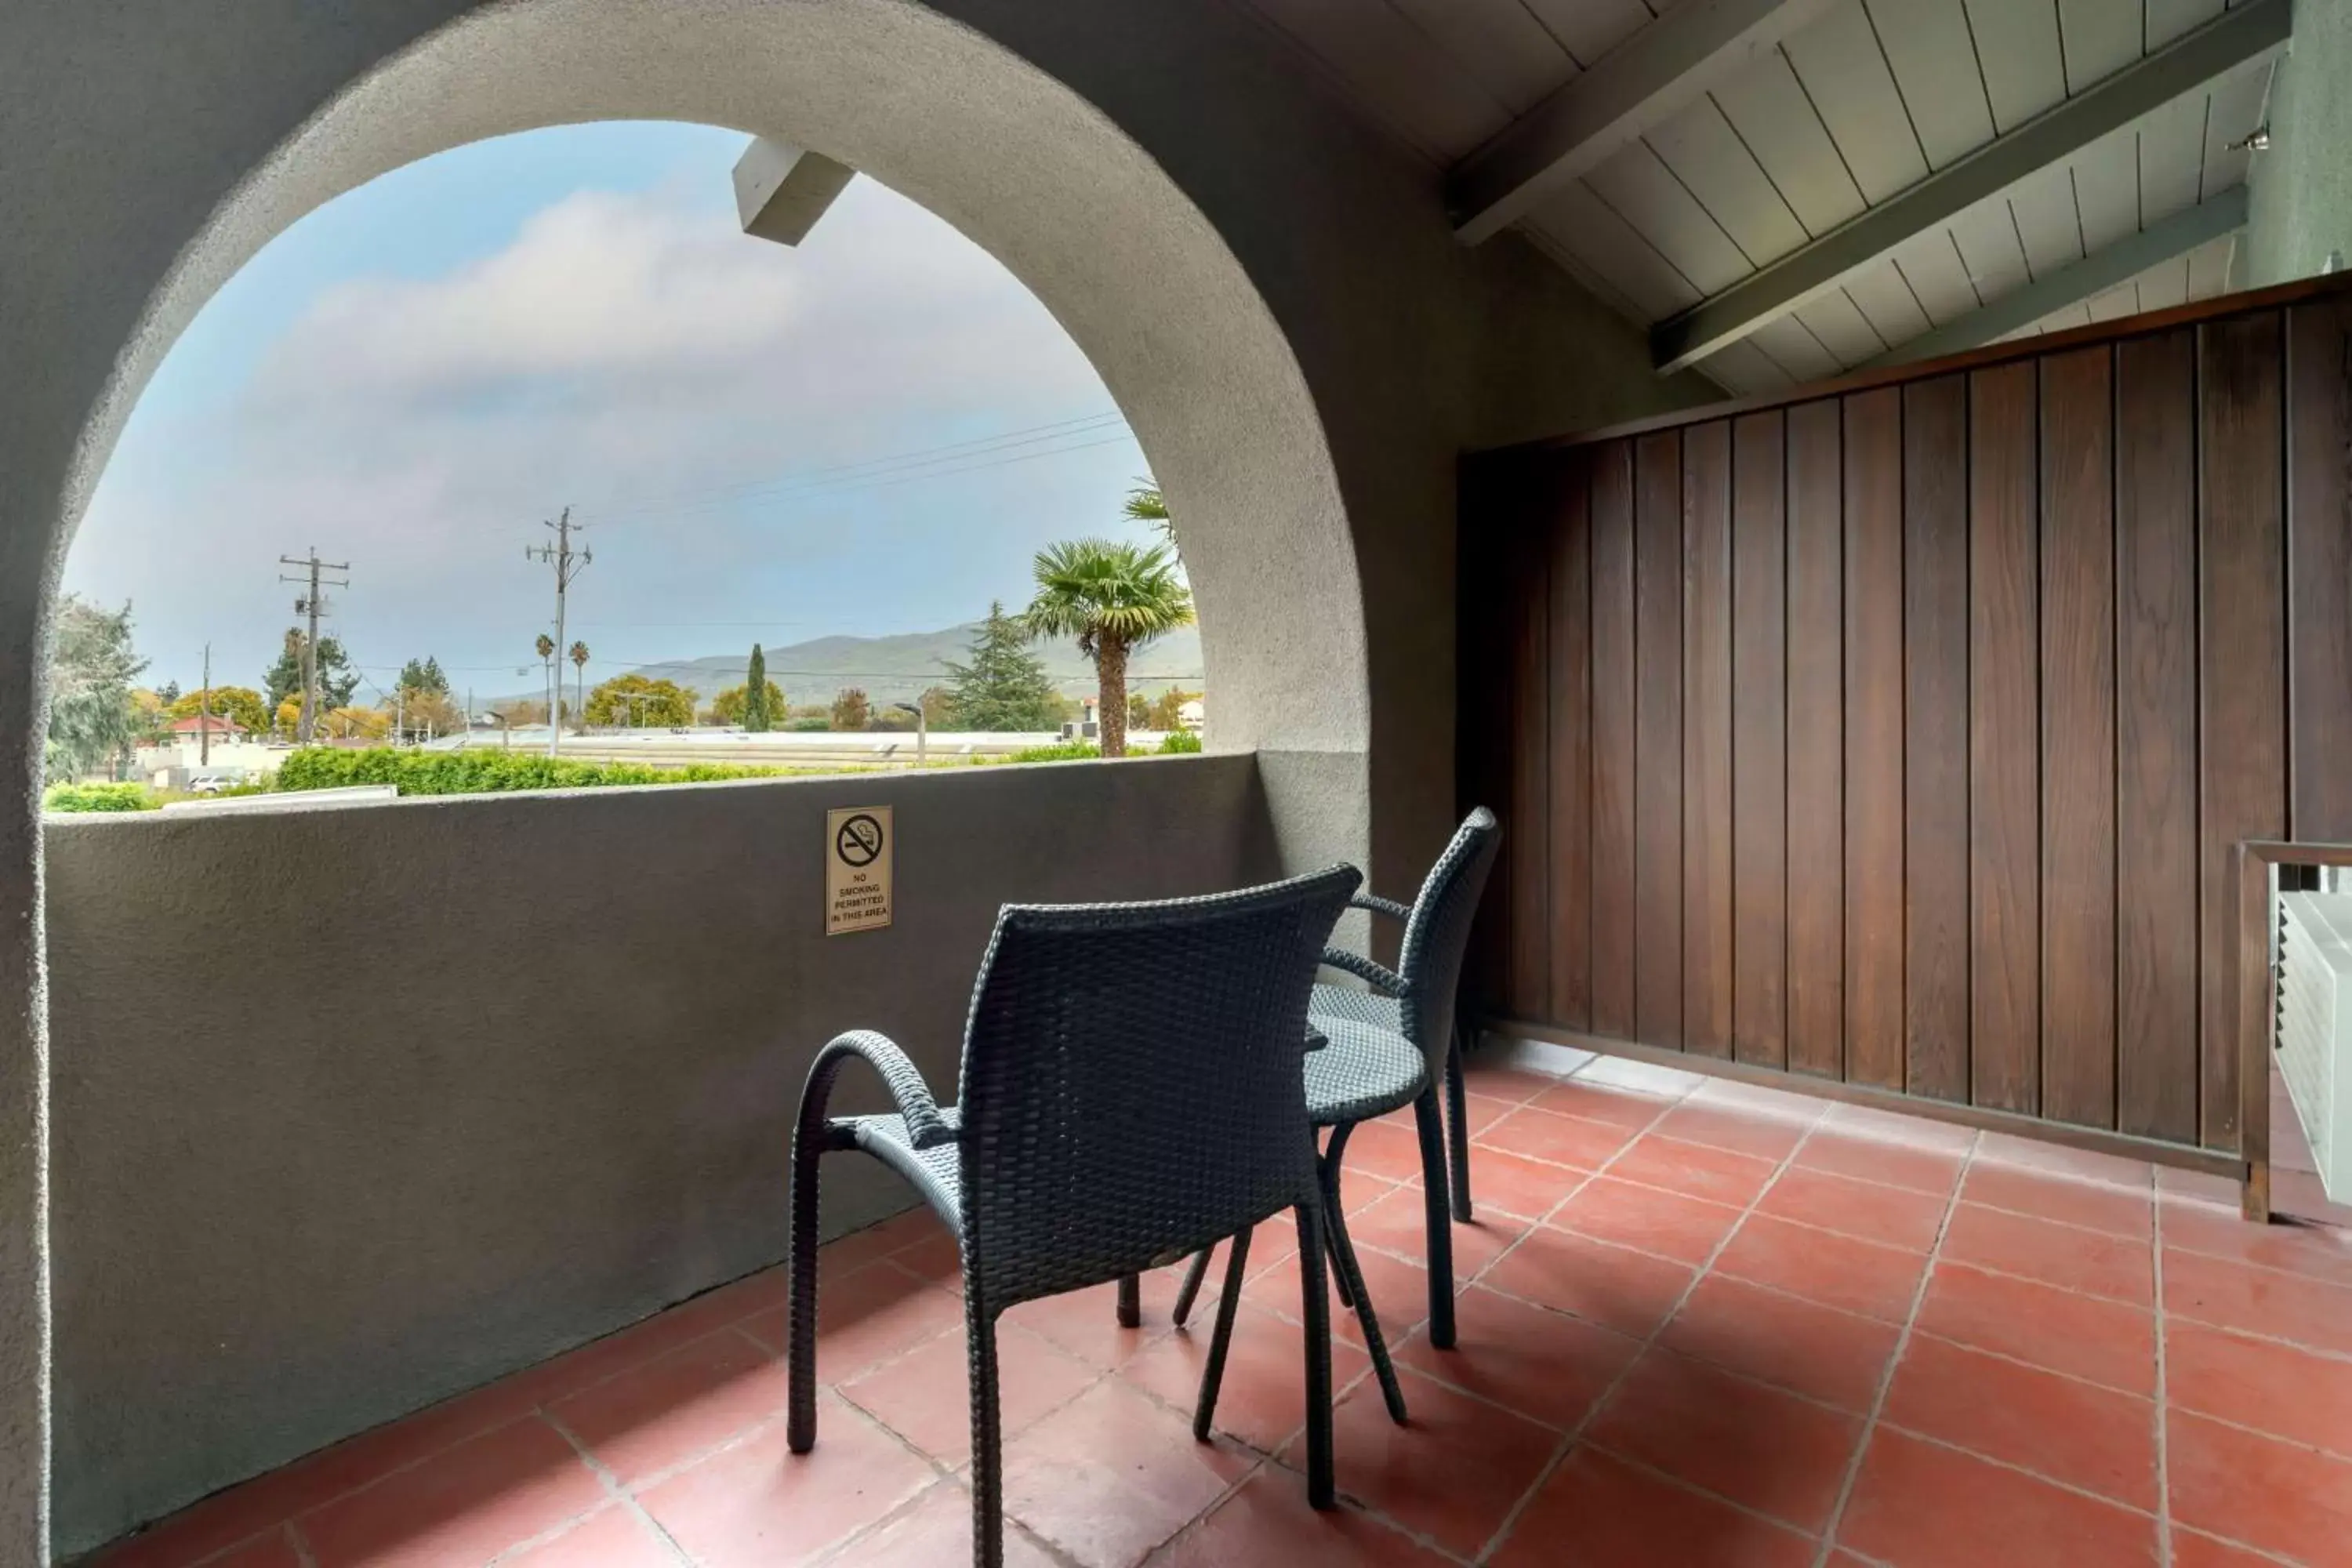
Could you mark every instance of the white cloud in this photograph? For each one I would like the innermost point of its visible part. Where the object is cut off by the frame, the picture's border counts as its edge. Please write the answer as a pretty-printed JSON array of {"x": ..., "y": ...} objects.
[{"x": 634, "y": 356}]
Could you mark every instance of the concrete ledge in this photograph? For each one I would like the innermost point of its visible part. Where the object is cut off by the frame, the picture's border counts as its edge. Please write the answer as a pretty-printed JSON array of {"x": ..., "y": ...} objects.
[{"x": 356, "y": 1109}]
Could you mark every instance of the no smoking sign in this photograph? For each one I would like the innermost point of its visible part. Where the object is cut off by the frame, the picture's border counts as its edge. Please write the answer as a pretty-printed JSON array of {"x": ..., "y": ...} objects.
[{"x": 858, "y": 857}]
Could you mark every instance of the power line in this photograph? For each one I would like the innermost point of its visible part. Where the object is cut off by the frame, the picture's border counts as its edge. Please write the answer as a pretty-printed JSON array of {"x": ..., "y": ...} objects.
[
  {"x": 313, "y": 604},
  {"x": 568, "y": 566}
]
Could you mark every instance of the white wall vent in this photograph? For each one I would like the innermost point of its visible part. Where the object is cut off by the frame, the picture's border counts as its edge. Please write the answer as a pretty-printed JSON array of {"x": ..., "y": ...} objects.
[{"x": 2314, "y": 1027}]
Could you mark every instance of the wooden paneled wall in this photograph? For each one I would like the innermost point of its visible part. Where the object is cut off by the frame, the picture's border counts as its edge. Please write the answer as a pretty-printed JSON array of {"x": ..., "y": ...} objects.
[{"x": 1902, "y": 733}]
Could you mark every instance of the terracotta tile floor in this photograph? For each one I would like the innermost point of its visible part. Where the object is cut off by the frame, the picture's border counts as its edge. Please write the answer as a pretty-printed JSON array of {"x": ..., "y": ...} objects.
[{"x": 1700, "y": 1324}]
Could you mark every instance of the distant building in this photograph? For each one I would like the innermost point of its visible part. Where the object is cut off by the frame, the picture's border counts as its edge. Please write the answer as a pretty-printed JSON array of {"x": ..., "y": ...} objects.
[
  {"x": 193, "y": 728},
  {"x": 1191, "y": 714}
]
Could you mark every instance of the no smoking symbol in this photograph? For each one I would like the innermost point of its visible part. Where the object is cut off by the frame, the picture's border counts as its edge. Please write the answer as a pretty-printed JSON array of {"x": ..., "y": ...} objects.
[{"x": 859, "y": 840}]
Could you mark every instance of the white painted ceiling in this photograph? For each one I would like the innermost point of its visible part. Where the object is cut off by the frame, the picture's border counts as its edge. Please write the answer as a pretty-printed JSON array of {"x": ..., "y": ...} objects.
[{"x": 1869, "y": 99}]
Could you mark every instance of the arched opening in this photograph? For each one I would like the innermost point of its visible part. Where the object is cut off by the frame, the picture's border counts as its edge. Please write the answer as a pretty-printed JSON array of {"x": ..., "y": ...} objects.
[
  {"x": 1142, "y": 282},
  {"x": 1071, "y": 207},
  {"x": 840, "y": 453}
]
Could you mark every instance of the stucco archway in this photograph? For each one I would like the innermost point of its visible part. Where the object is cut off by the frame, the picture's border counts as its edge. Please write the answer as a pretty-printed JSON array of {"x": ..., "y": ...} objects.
[
  {"x": 1140, "y": 279},
  {"x": 1143, "y": 282}
]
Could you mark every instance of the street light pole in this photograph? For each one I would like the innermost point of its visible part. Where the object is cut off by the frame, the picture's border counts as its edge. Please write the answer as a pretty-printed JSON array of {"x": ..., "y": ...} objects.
[{"x": 922, "y": 729}]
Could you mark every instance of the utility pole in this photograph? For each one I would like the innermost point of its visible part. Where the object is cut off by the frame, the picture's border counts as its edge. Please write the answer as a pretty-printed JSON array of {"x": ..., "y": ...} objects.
[
  {"x": 205, "y": 714},
  {"x": 314, "y": 605},
  {"x": 568, "y": 564}
]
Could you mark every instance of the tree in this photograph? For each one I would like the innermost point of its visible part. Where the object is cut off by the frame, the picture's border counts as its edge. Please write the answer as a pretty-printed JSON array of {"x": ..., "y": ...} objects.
[
  {"x": 168, "y": 694},
  {"x": 633, "y": 702},
  {"x": 151, "y": 716},
  {"x": 358, "y": 723},
  {"x": 337, "y": 678},
  {"x": 423, "y": 714},
  {"x": 579, "y": 657},
  {"x": 938, "y": 707},
  {"x": 1138, "y": 711},
  {"x": 241, "y": 705},
  {"x": 92, "y": 664},
  {"x": 1166, "y": 714},
  {"x": 1144, "y": 503},
  {"x": 1004, "y": 689},
  {"x": 732, "y": 706},
  {"x": 762, "y": 701},
  {"x": 553, "y": 687},
  {"x": 1114, "y": 598},
  {"x": 423, "y": 674},
  {"x": 850, "y": 711}
]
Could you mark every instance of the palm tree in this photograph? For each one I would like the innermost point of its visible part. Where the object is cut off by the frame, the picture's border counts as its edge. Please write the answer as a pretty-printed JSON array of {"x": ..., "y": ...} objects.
[
  {"x": 579, "y": 686},
  {"x": 550, "y": 687},
  {"x": 1114, "y": 598},
  {"x": 1146, "y": 504}
]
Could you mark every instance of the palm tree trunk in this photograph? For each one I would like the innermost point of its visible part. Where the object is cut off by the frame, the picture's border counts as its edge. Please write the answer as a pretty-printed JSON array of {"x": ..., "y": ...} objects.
[{"x": 1110, "y": 668}]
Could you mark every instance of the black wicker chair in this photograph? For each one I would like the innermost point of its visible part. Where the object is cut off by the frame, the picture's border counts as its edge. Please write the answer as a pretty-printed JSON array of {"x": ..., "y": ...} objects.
[
  {"x": 1131, "y": 1093},
  {"x": 1387, "y": 1048}
]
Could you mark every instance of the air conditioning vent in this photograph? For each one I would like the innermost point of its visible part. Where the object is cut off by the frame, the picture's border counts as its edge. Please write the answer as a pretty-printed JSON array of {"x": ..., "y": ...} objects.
[{"x": 2314, "y": 1027}]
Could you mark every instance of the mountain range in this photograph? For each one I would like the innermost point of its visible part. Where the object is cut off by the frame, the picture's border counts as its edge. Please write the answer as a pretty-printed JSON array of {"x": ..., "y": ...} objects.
[{"x": 900, "y": 667}]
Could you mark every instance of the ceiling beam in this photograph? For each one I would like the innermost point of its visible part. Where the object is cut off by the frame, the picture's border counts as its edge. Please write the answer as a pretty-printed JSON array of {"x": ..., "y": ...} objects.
[
  {"x": 1642, "y": 81},
  {"x": 2096, "y": 273},
  {"x": 780, "y": 191},
  {"x": 2255, "y": 30}
]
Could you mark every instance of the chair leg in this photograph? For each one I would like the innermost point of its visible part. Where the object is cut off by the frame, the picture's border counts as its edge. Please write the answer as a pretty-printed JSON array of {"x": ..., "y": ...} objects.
[
  {"x": 1439, "y": 1216},
  {"x": 987, "y": 1439},
  {"x": 1130, "y": 1302},
  {"x": 1457, "y": 1126},
  {"x": 1328, "y": 1169},
  {"x": 1191, "y": 1291},
  {"x": 1229, "y": 1302},
  {"x": 1315, "y": 1308},
  {"x": 799, "y": 1333},
  {"x": 1352, "y": 1287}
]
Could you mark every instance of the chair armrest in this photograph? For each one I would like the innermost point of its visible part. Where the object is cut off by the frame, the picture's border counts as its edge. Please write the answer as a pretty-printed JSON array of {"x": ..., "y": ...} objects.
[
  {"x": 1381, "y": 906},
  {"x": 1384, "y": 980},
  {"x": 926, "y": 1127}
]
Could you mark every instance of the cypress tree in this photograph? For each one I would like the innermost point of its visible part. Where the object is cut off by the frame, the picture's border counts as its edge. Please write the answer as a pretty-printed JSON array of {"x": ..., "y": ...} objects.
[{"x": 756, "y": 718}]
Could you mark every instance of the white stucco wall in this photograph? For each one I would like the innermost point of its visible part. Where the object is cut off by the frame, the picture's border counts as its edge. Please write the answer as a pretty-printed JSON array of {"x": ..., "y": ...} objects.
[{"x": 1268, "y": 287}]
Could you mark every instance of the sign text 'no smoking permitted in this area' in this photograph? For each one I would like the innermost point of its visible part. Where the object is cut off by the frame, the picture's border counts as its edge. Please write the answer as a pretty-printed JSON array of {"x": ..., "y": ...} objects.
[{"x": 858, "y": 854}]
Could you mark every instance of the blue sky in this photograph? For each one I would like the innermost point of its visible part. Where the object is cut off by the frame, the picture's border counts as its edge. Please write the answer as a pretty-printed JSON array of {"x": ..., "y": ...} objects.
[{"x": 870, "y": 433}]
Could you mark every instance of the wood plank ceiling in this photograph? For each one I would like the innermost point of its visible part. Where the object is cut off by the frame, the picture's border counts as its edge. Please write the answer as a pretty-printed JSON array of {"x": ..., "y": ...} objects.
[{"x": 1866, "y": 100}]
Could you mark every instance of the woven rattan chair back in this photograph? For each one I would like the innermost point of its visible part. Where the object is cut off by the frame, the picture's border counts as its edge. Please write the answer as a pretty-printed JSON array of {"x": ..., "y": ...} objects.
[
  {"x": 1438, "y": 935},
  {"x": 1132, "y": 1085}
]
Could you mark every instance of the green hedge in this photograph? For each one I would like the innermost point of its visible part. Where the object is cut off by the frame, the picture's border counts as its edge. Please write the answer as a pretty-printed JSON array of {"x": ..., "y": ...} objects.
[
  {"x": 1072, "y": 752},
  {"x": 487, "y": 771},
  {"x": 100, "y": 797},
  {"x": 1177, "y": 740}
]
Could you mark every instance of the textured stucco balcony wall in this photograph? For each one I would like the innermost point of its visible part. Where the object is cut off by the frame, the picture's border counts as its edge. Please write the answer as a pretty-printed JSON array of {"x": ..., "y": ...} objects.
[
  {"x": 1269, "y": 286},
  {"x": 358, "y": 1109}
]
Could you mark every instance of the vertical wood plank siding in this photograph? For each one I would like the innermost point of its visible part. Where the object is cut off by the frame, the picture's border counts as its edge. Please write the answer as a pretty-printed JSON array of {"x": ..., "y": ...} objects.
[{"x": 1902, "y": 734}]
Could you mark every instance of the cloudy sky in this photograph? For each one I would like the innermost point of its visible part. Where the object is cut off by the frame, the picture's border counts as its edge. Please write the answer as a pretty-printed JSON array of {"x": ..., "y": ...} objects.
[{"x": 870, "y": 433}]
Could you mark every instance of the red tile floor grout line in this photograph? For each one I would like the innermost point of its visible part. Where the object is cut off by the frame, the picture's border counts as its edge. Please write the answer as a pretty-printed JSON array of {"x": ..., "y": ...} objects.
[
  {"x": 2162, "y": 1415},
  {"x": 1839, "y": 1322},
  {"x": 1893, "y": 1365},
  {"x": 1570, "y": 1442},
  {"x": 615, "y": 1493}
]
